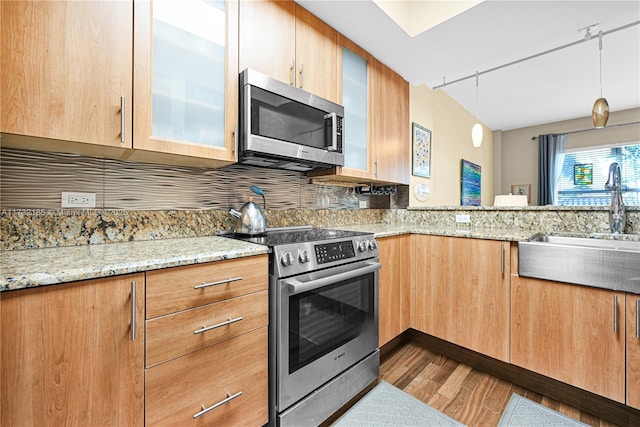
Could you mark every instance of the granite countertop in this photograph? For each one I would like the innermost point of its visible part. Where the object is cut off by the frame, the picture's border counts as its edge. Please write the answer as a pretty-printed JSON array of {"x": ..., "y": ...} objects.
[
  {"x": 388, "y": 230},
  {"x": 36, "y": 267}
]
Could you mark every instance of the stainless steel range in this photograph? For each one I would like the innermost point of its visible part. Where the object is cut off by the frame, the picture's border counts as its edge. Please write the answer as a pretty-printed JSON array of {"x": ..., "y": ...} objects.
[{"x": 323, "y": 321}]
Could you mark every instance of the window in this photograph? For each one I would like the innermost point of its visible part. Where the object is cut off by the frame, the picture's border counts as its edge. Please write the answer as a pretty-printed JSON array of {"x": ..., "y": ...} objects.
[{"x": 584, "y": 174}]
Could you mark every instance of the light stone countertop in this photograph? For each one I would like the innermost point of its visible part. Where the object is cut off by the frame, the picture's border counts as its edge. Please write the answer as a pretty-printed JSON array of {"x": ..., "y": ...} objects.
[
  {"x": 388, "y": 230},
  {"x": 37, "y": 267}
]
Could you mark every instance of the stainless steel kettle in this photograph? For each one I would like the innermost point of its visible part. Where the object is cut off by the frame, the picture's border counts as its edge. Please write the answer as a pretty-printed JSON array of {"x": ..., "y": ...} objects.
[{"x": 250, "y": 218}]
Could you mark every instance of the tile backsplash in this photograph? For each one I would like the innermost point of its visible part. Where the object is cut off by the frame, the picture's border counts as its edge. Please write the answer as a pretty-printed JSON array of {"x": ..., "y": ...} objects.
[{"x": 34, "y": 180}]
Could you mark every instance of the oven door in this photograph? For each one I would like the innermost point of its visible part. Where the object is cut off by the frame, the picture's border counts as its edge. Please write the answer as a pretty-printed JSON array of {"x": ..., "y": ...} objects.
[{"x": 326, "y": 322}]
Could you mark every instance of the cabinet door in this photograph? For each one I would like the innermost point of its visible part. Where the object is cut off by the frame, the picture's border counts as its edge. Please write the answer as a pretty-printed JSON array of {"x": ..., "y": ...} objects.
[
  {"x": 267, "y": 38},
  {"x": 462, "y": 292},
  {"x": 391, "y": 136},
  {"x": 316, "y": 56},
  {"x": 68, "y": 354},
  {"x": 67, "y": 69},
  {"x": 569, "y": 333},
  {"x": 186, "y": 80},
  {"x": 633, "y": 350},
  {"x": 394, "y": 292}
]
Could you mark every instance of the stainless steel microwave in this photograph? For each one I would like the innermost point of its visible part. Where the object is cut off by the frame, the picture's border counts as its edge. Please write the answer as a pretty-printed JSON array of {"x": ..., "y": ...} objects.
[{"x": 281, "y": 126}]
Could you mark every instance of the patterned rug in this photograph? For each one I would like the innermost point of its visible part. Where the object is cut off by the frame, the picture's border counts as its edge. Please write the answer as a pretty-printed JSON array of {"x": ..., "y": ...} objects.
[
  {"x": 522, "y": 412},
  {"x": 386, "y": 405}
]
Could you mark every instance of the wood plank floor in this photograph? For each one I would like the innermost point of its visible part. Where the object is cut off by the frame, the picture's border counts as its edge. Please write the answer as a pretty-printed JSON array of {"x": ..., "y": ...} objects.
[{"x": 465, "y": 394}]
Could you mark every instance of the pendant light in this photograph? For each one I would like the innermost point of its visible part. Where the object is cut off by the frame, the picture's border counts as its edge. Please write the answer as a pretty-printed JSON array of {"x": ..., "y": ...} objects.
[
  {"x": 600, "y": 111},
  {"x": 476, "y": 130}
]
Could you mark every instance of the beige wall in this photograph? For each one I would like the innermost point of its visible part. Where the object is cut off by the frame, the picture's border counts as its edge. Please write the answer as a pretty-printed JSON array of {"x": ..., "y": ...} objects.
[
  {"x": 450, "y": 126},
  {"x": 517, "y": 154}
]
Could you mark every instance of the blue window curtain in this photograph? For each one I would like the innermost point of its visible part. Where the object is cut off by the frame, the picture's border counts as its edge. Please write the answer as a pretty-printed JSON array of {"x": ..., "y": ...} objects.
[{"x": 550, "y": 157}]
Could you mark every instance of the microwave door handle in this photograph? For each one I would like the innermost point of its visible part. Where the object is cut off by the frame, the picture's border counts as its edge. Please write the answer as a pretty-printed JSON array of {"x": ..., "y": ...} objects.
[
  {"x": 297, "y": 287},
  {"x": 334, "y": 135}
]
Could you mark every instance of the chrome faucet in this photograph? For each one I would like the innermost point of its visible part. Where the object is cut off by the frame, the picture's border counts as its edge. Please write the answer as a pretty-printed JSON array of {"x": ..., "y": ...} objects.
[{"x": 617, "y": 215}]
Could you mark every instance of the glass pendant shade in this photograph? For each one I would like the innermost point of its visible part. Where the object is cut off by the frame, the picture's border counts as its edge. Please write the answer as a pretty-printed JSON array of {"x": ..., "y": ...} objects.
[
  {"x": 600, "y": 112},
  {"x": 476, "y": 135}
]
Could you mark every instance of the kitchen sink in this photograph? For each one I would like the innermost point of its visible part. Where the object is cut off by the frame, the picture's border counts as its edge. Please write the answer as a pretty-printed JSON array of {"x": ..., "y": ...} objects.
[{"x": 600, "y": 262}]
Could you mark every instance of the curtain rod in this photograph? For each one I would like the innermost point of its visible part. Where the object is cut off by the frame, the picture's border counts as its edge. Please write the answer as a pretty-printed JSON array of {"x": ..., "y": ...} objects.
[
  {"x": 589, "y": 130},
  {"x": 604, "y": 33}
]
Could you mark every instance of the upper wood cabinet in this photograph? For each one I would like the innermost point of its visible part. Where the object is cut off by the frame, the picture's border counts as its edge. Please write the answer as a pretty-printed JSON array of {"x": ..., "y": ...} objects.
[
  {"x": 185, "y": 81},
  {"x": 69, "y": 356},
  {"x": 462, "y": 292},
  {"x": 376, "y": 102},
  {"x": 66, "y": 70},
  {"x": 394, "y": 290},
  {"x": 575, "y": 334},
  {"x": 74, "y": 68},
  {"x": 633, "y": 350},
  {"x": 391, "y": 136},
  {"x": 287, "y": 42}
]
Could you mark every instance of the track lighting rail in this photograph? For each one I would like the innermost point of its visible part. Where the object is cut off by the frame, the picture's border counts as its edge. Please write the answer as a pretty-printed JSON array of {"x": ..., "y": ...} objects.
[
  {"x": 533, "y": 138},
  {"x": 508, "y": 64}
]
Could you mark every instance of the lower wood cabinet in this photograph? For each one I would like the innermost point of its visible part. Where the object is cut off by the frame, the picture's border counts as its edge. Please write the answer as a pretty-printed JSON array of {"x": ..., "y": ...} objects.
[
  {"x": 69, "y": 356},
  {"x": 462, "y": 292},
  {"x": 633, "y": 350},
  {"x": 229, "y": 379},
  {"x": 394, "y": 291},
  {"x": 574, "y": 334},
  {"x": 187, "y": 331},
  {"x": 206, "y": 344}
]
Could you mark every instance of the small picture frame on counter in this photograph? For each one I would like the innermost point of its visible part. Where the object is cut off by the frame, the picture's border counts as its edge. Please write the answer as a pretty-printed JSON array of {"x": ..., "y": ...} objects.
[{"x": 522, "y": 190}]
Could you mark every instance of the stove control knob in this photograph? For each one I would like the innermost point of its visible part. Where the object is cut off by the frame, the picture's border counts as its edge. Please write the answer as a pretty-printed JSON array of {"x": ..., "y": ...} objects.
[
  {"x": 303, "y": 257},
  {"x": 287, "y": 259},
  {"x": 362, "y": 246},
  {"x": 373, "y": 245}
]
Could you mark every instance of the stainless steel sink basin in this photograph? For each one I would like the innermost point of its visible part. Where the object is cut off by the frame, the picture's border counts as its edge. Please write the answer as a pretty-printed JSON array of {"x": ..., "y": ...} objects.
[{"x": 604, "y": 263}]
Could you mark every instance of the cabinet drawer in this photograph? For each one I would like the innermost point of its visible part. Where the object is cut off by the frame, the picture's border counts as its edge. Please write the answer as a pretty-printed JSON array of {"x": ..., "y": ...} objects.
[
  {"x": 174, "y": 335},
  {"x": 180, "y": 288},
  {"x": 179, "y": 389}
]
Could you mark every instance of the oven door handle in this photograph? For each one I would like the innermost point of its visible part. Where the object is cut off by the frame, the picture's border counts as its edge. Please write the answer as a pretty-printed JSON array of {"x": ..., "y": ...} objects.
[{"x": 297, "y": 287}]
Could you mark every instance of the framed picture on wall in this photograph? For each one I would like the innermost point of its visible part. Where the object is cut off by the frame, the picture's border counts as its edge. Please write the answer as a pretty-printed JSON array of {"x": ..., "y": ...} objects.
[
  {"x": 471, "y": 175},
  {"x": 421, "y": 154},
  {"x": 522, "y": 190}
]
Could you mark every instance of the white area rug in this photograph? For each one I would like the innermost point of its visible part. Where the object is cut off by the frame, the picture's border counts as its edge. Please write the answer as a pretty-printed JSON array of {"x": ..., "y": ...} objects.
[
  {"x": 386, "y": 405},
  {"x": 522, "y": 412}
]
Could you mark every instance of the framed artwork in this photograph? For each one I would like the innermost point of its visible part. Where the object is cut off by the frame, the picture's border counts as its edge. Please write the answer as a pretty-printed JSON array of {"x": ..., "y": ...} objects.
[
  {"x": 421, "y": 155},
  {"x": 583, "y": 174},
  {"x": 470, "y": 184},
  {"x": 522, "y": 190}
]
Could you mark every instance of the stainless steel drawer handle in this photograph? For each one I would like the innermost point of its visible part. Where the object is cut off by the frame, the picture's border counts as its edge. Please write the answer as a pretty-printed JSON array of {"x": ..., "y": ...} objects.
[
  {"x": 123, "y": 119},
  {"x": 502, "y": 260},
  {"x": 638, "y": 318},
  {"x": 206, "y": 328},
  {"x": 615, "y": 314},
  {"x": 229, "y": 398},
  {"x": 221, "y": 282},
  {"x": 133, "y": 310}
]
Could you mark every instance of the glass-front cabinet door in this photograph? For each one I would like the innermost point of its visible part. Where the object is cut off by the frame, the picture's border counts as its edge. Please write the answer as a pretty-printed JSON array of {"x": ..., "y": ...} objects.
[
  {"x": 355, "y": 93},
  {"x": 354, "y": 98},
  {"x": 186, "y": 80}
]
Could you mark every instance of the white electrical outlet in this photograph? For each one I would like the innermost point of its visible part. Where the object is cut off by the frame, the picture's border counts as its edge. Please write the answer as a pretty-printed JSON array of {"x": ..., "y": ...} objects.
[
  {"x": 463, "y": 218},
  {"x": 363, "y": 204},
  {"x": 78, "y": 200}
]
